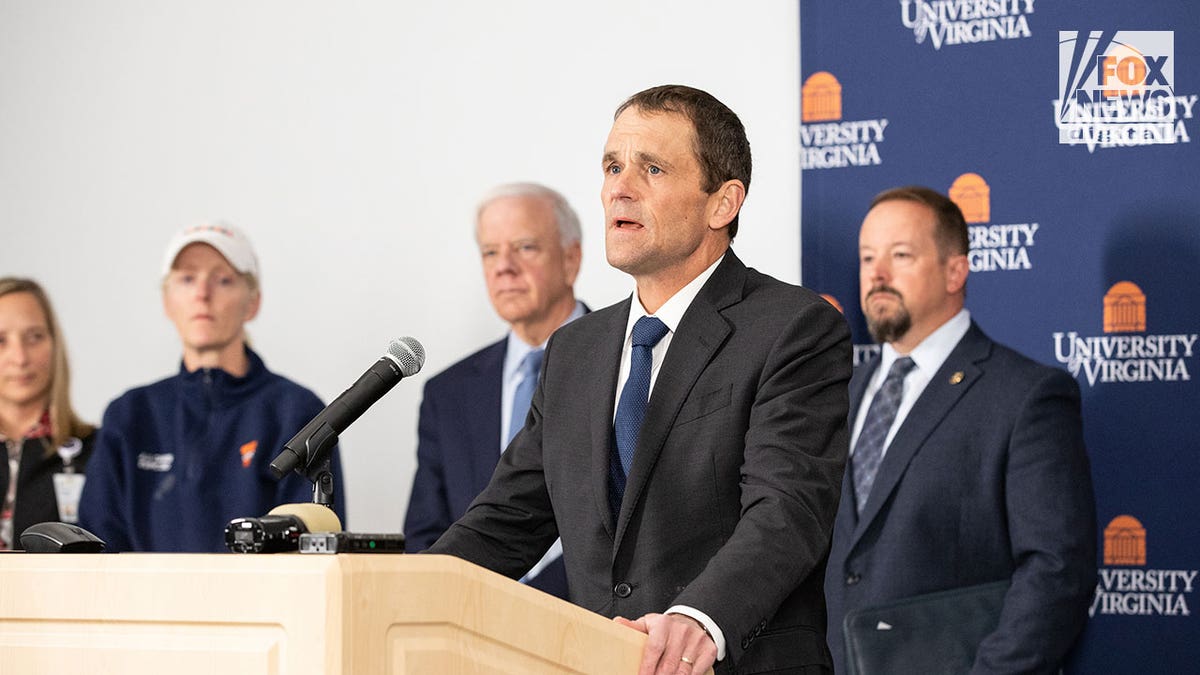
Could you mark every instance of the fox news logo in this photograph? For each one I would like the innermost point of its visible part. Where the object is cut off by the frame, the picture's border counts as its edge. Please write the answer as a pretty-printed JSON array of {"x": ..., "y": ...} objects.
[
  {"x": 1117, "y": 89},
  {"x": 1116, "y": 357},
  {"x": 828, "y": 142},
  {"x": 1129, "y": 590},
  {"x": 954, "y": 22}
]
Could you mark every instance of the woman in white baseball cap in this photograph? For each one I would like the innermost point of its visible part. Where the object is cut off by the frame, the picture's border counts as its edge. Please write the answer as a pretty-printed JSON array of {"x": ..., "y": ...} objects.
[{"x": 182, "y": 457}]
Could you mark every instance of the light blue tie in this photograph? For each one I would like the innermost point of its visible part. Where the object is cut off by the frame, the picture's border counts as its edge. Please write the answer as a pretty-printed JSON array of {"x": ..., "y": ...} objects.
[
  {"x": 868, "y": 450},
  {"x": 530, "y": 366},
  {"x": 631, "y": 408}
]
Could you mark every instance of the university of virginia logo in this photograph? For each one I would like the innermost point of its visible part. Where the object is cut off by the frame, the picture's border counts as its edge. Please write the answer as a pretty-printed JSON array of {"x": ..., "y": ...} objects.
[
  {"x": 1124, "y": 353},
  {"x": 956, "y": 22},
  {"x": 993, "y": 247},
  {"x": 1125, "y": 588},
  {"x": 826, "y": 141}
]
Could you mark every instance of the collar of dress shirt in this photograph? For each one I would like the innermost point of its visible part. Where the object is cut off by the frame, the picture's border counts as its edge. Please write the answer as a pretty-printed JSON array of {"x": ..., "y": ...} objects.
[
  {"x": 671, "y": 313},
  {"x": 933, "y": 351},
  {"x": 929, "y": 356},
  {"x": 516, "y": 349}
]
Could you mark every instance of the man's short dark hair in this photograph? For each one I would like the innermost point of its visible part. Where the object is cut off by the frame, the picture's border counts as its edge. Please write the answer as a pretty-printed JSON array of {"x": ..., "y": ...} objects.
[
  {"x": 721, "y": 144},
  {"x": 950, "y": 231}
]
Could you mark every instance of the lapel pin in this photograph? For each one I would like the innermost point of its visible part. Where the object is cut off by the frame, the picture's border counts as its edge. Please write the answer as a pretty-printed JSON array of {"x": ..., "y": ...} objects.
[{"x": 956, "y": 377}]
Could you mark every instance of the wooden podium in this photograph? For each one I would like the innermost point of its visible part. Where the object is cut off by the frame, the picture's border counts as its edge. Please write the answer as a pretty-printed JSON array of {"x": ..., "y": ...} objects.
[{"x": 291, "y": 613}]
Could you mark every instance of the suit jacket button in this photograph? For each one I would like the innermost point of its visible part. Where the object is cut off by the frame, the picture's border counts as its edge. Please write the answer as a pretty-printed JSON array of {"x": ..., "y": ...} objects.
[
  {"x": 745, "y": 643},
  {"x": 853, "y": 578},
  {"x": 623, "y": 590}
]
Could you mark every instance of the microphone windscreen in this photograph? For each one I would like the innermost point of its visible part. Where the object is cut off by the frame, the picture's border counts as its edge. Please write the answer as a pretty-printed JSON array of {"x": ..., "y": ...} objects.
[
  {"x": 316, "y": 517},
  {"x": 408, "y": 354}
]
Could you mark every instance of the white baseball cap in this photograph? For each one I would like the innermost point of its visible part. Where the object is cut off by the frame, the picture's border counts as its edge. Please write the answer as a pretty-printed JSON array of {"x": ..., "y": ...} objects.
[{"x": 227, "y": 239}]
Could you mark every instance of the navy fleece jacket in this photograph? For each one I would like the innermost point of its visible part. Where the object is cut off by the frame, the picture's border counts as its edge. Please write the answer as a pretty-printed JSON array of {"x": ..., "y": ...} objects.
[{"x": 176, "y": 460}]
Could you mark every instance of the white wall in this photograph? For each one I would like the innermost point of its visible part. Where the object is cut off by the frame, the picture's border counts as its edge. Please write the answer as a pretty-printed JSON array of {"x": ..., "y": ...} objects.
[{"x": 351, "y": 140}]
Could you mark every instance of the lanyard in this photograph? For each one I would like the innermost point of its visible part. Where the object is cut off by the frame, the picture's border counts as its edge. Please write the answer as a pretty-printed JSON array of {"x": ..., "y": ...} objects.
[{"x": 69, "y": 451}]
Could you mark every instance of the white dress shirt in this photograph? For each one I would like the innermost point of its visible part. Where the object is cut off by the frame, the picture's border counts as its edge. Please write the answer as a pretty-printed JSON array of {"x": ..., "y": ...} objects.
[
  {"x": 928, "y": 357},
  {"x": 671, "y": 313}
]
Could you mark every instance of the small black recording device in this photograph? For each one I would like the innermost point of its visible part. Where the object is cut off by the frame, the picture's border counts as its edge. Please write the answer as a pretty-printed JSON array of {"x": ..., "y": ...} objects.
[
  {"x": 351, "y": 542},
  {"x": 268, "y": 534}
]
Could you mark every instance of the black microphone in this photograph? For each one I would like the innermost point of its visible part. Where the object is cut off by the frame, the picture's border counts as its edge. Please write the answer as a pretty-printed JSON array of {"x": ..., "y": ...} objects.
[{"x": 404, "y": 357}]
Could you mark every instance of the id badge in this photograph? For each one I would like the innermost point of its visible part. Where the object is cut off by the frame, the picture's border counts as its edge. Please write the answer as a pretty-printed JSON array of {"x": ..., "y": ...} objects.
[{"x": 68, "y": 487}]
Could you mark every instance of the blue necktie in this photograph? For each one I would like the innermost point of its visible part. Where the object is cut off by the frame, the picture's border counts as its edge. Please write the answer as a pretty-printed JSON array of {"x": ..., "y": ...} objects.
[
  {"x": 530, "y": 366},
  {"x": 868, "y": 451},
  {"x": 631, "y": 408}
]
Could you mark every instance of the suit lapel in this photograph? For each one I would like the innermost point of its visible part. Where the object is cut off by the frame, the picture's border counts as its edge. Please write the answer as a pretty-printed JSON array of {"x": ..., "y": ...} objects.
[
  {"x": 487, "y": 381},
  {"x": 604, "y": 345},
  {"x": 935, "y": 403},
  {"x": 858, "y": 386},
  {"x": 699, "y": 336}
]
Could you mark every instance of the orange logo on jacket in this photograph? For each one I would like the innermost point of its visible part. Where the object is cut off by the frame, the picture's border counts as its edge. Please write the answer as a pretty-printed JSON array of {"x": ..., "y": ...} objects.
[{"x": 247, "y": 451}]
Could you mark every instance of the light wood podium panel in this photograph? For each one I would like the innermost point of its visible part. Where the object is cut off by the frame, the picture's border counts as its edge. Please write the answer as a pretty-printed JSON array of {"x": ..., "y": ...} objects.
[{"x": 181, "y": 614}]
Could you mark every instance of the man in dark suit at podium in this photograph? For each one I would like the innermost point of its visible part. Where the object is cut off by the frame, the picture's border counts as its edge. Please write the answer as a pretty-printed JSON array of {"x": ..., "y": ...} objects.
[
  {"x": 688, "y": 442},
  {"x": 529, "y": 242},
  {"x": 967, "y": 463}
]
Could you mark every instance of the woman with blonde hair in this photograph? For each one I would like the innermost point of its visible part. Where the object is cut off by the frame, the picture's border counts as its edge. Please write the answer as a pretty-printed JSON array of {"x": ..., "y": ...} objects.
[{"x": 47, "y": 445}]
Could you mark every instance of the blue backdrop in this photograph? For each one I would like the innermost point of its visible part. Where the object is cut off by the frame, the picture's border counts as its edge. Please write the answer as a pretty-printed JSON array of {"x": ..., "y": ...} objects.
[{"x": 1068, "y": 134}]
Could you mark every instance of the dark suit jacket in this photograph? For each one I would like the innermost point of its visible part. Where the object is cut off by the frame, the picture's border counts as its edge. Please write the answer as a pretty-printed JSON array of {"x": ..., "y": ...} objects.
[
  {"x": 987, "y": 479},
  {"x": 458, "y": 448},
  {"x": 733, "y": 486}
]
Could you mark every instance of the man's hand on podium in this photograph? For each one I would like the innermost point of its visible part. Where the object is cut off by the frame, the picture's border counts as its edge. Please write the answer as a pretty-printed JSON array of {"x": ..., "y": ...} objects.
[{"x": 675, "y": 645}]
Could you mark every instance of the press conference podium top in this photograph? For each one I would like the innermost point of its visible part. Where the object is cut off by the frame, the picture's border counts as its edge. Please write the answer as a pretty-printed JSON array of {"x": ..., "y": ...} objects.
[{"x": 291, "y": 613}]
